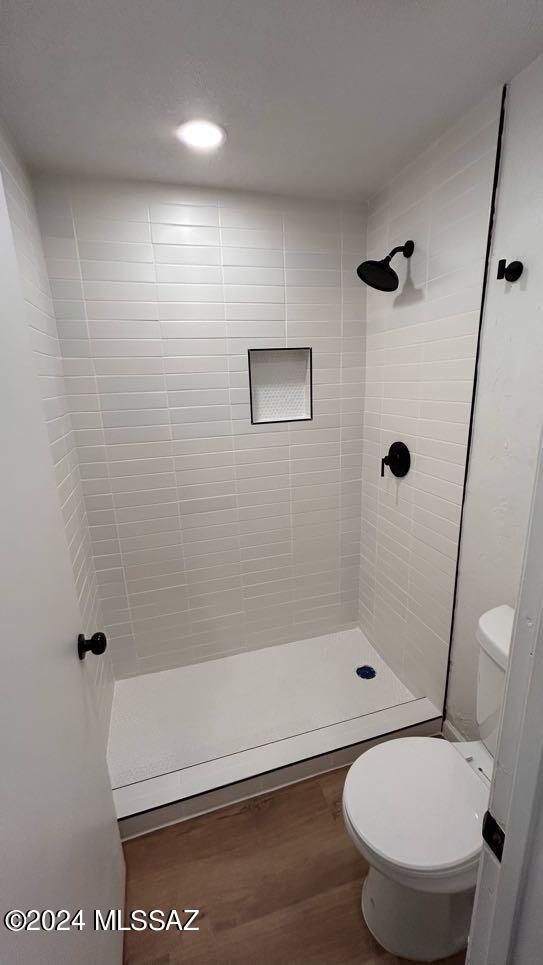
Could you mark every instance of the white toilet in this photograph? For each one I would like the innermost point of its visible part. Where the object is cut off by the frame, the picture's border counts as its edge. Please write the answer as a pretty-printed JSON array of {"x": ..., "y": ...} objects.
[{"x": 414, "y": 808}]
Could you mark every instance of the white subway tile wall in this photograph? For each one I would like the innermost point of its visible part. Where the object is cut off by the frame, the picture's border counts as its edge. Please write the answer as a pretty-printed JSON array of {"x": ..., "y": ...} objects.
[
  {"x": 46, "y": 348},
  {"x": 421, "y": 345},
  {"x": 210, "y": 536}
]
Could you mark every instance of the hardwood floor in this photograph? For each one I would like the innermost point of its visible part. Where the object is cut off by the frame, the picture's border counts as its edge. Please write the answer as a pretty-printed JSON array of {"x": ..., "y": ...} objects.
[{"x": 276, "y": 878}]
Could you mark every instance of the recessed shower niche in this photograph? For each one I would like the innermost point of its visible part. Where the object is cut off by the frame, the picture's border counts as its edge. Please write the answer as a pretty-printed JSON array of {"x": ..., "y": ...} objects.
[{"x": 280, "y": 384}]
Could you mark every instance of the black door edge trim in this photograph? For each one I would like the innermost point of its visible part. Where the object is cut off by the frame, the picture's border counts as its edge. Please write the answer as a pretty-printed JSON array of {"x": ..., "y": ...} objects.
[{"x": 489, "y": 239}]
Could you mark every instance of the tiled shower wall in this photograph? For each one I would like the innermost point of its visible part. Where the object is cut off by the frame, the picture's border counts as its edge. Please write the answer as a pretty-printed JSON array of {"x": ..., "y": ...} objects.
[
  {"x": 421, "y": 345},
  {"x": 45, "y": 344},
  {"x": 209, "y": 535}
]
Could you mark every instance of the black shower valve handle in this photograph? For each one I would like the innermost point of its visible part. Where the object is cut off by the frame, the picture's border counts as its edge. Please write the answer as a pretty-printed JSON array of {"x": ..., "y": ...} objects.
[
  {"x": 511, "y": 272},
  {"x": 398, "y": 460}
]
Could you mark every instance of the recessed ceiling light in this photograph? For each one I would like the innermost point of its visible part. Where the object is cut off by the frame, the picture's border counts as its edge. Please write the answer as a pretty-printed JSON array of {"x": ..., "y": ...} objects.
[{"x": 201, "y": 135}]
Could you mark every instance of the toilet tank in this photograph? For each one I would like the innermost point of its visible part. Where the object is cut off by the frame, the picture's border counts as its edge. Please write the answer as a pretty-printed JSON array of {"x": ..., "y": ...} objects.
[{"x": 494, "y": 638}]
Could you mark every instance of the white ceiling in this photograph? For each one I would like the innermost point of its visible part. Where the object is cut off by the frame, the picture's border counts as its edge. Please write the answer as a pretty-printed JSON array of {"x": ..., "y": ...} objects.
[{"x": 319, "y": 97}]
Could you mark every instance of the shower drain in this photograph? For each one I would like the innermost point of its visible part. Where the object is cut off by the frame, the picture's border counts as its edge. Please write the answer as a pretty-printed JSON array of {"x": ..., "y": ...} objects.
[{"x": 366, "y": 672}]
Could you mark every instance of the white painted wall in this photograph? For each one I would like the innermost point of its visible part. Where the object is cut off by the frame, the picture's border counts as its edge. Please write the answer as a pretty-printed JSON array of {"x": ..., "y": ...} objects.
[
  {"x": 421, "y": 346},
  {"x": 509, "y": 403},
  {"x": 210, "y": 536},
  {"x": 42, "y": 327}
]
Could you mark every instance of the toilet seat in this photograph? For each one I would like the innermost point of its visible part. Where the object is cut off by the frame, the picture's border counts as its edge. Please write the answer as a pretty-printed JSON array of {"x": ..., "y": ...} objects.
[{"x": 415, "y": 808}]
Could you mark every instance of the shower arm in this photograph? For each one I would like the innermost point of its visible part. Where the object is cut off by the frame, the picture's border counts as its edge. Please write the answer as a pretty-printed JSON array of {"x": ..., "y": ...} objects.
[{"x": 406, "y": 250}]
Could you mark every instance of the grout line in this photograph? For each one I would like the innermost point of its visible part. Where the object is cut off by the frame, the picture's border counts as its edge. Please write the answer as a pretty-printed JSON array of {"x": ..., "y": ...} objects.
[{"x": 233, "y": 439}]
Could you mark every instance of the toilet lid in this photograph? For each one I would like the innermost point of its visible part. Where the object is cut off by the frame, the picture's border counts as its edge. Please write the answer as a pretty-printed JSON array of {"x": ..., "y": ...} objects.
[{"x": 417, "y": 803}]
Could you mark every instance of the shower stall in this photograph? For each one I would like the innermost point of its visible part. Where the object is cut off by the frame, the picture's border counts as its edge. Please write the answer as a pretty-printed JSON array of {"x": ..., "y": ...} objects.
[{"x": 222, "y": 392}]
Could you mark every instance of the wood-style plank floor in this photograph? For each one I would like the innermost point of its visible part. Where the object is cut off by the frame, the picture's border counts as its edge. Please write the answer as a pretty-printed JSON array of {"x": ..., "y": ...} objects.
[{"x": 276, "y": 878}]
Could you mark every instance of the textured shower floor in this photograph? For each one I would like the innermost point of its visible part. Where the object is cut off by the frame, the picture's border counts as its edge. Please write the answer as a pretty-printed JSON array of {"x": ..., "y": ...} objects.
[{"x": 181, "y": 732}]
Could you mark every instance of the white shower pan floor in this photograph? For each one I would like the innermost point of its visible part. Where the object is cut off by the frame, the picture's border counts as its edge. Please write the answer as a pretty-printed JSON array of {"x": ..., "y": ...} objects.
[{"x": 186, "y": 731}]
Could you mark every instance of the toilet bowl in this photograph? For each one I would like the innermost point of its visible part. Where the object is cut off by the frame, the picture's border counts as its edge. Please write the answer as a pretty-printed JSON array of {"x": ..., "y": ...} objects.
[{"x": 414, "y": 808}]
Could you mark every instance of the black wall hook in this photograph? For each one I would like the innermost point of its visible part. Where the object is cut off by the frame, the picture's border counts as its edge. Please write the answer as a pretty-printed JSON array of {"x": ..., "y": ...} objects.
[
  {"x": 97, "y": 645},
  {"x": 398, "y": 460},
  {"x": 511, "y": 271}
]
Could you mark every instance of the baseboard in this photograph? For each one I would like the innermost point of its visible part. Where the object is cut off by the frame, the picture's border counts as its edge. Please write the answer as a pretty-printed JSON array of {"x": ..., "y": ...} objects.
[{"x": 135, "y": 825}]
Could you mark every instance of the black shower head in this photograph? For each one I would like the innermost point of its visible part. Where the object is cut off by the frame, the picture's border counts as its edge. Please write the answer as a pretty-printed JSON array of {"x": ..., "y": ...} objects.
[{"x": 379, "y": 274}]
